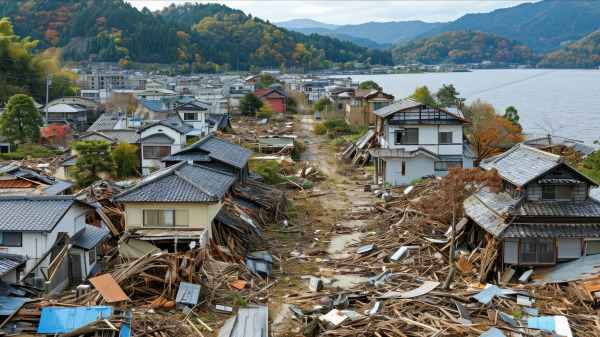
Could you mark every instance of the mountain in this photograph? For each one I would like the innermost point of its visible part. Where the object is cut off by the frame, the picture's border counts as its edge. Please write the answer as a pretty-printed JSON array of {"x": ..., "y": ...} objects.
[
  {"x": 363, "y": 42},
  {"x": 395, "y": 32},
  {"x": 464, "y": 46},
  {"x": 199, "y": 36},
  {"x": 542, "y": 25},
  {"x": 305, "y": 23},
  {"x": 584, "y": 53}
]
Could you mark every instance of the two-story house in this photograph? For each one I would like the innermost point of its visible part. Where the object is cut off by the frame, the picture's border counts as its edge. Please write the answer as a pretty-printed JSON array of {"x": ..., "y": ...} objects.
[
  {"x": 196, "y": 114},
  {"x": 544, "y": 214},
  {"x": 361, "y": 103},
  {"x": 176, "y": 203},
  {"x": 40, "y": 228},
  {"x": 415, "y": 140},
  {"x": 159, "y": 140},
  {"x": 276, "y": 98}
]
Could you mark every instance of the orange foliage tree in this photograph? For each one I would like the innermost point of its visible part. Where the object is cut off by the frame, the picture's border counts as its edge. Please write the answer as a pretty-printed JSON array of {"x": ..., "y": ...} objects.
[
  {"x": 54, "y": 132},
  {"x": 490, "y": 134}
]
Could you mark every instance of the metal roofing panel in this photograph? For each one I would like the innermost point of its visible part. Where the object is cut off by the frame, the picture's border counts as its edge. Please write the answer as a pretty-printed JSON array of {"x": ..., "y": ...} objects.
[
  {"x": 582, "y": 268},
  {"x": 61, "y": 320},
  {"x": 9, "y": 262},
  {"x": 484, "y": 216},
  {"x": 188, "y": 293},
  {"x": 9, "y": 305},
  {"x": 494, "y": 332},
  {"x": 420, "y": 291},
  {"x": 488, "y": 294},
  {"x": 32, "y": 213},
  {"x": 251, "y": 322},
  {"x": 108, "y": 288},
  {"x": 89, "y": 237},
  {"x": 59, "y": 187},
  {"x": 134, "y": 249}
]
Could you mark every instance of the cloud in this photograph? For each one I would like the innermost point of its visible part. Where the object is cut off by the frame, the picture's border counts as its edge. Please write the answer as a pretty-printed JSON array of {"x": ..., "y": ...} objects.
[{"x": 353, "y": 12}]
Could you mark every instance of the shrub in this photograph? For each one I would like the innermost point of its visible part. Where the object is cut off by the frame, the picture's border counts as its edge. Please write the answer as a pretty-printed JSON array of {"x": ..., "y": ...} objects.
[
  {"x": 323, "y": 103},
  {"x": 298, "y": 148},
  {"x": 337, "y": 143},
  {"x": 319, "y": 129},
  {"x": 265, "y": 112},
  {"x": 191, "y": 141},
  {"x": 267, "y": 169},
  {"x": 337, "y": 125},
  {"x": 31, "y": 148}
]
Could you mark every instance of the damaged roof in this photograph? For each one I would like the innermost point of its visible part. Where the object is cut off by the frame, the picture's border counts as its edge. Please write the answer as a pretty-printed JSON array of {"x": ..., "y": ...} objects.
[
  {"x": 34, "y": 213},
  {"x": 216, "y": 149},
  {"x": 522, "y": 164},
  {"x": 89, "y": 237},
  {"x": 9, "y": 262},
  {"x": 552, "y": 230},
  {"x": 182, "y": 182}
]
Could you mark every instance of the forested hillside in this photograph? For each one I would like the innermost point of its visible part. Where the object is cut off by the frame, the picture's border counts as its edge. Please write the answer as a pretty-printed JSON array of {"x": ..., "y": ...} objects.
[
  {"x": 584, "y": 53},
  {"x": 464, "y": 47},
  {"x": 202, "y": 36}
]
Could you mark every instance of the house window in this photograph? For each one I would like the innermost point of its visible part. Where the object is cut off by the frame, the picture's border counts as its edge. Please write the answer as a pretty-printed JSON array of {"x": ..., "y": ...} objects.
[
  {"x": 556, "y": 192},
  {"x": 445, "y": 137},
  {"x": 166, "y": 217},
  {"x": 190, "y": 116},
  {"x": 403, "y": 168},
  {"x": 592, "y": 247},
  {"x": 91, "y": 257},
  {"x": 11, "y": 239},
  {"x": 537, "y": 251},
  {"x": 156, "y": 152},
  {"x": 378, "y": 105},
  {"x": 445, "y": 165},
  {"x": 409, "y": 136}
]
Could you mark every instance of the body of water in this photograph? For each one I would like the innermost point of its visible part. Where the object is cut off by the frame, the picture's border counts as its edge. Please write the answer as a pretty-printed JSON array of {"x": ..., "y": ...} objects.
[{"x": 565, "y": 101}]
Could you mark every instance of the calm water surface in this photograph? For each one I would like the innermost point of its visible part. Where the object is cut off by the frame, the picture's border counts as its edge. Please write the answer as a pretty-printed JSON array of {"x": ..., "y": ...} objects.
[{"x": 567, "y": 101}]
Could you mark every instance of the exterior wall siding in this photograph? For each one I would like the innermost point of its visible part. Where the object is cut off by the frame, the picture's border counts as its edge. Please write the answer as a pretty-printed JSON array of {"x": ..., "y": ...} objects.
[{"x": 415, "y": 168}]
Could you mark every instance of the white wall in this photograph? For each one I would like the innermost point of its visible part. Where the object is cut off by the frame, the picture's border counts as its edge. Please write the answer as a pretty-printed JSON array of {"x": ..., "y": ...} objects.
[
  {"x": 415, "y": 168},
  {"x": 428, "y": 139},
  {"x": 148, "y": 164}
]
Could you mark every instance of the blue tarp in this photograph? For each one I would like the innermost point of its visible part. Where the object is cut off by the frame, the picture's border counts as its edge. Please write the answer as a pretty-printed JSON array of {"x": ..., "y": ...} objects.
[
  {"x": 61, "y": 320},
  {"x": 8, "y": 305}
]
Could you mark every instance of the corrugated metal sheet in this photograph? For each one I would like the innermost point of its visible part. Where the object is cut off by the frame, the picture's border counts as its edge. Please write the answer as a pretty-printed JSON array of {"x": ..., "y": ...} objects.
[
  {"x": 188, "y": 293},
  {"x": 495, "y": 332},
  {"x": 61, "y": 320},
  {"x": 420, "y": 291},
  {"x": 488, "y": 294},
  {"x": 252, "y": 322},
  {"x": 8, "y": 305},
  {"x": 135, "y": 249},
  {"x": 108, "y": 288}
]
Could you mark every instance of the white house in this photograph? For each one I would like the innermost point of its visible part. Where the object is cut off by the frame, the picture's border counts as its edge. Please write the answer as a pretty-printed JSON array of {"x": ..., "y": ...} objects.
[
  {"x": 39, "y": 228},
  {"x": 160, "y": 139},
  {"x": 196, "y": 114},
  {"x": 416, "y": 140}
]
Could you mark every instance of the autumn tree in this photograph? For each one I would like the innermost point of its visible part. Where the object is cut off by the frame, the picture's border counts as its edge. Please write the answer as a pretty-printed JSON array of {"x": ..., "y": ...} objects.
[
  {"x": 511, "y": 115},
  {"x": 423, "y": 95},
  {"x": 446, "y": 204},
  {"x": 489, "y": 133},
  {"x": 20, "y": 120},
  {"x": 54, "y": 132},
  {"x": 369, "y": 85},
  {"x": 93, "y": 160},
  {"x": 250, "y": 104},
  {"x": 121, "y": 102},
  {"x": 126, "y": 158}
]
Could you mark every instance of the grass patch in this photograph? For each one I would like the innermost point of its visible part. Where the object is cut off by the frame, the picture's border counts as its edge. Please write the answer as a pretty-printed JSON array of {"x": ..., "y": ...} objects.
[
  {"x": 208, "y": 319},
  {"x": 337, "y": 125},
  {"x": 337, "y": 143},
  {"x": 344, "y": 182},
  {"x": 237, "y": 300},
  {"x": 281, "y": 236},
  {"x": 267, "y": 169},
  {"x": 417, "y": 181}
]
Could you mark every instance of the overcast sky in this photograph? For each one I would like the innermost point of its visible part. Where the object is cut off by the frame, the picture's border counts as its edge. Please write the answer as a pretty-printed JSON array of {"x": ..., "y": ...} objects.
[{"x": 353, "y": 12}]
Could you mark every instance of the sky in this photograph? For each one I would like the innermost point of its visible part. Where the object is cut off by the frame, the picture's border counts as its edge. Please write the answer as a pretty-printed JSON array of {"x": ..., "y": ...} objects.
[{"x": 344, "y": 12}]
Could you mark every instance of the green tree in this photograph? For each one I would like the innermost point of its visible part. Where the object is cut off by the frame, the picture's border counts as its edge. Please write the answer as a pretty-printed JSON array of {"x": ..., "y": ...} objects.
[
  {"x": 369, "y": 85},
  {"x": 512, "y": 116},
  {"x": 423, "y": 95},
  {"x": 265, "y": 80},
  {"x": 126, "y": 158},
  {"x": 265, "y": 112},
  {"x": 322, "y": 103},
  {"x": 250, "y": 104},
  {"x": 93, "y": 159},
  {"x": 20, "y": 120},
  {"x": 447, "y": 97}
]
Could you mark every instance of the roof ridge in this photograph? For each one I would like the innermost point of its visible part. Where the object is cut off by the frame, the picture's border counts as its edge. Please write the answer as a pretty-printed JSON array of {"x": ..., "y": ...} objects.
[
  {"x": 540, "y": 153},
  {"x": 212, "y": 169},
  {"x": 189, "y": 181},
  {"x": 158, "y": 175},
  {"x": 37, "y": 197}
]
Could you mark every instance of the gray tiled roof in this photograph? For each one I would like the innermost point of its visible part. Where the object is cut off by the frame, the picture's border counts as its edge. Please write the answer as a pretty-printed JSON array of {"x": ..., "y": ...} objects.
[
  {"x": 89, "y": 237},
  {"x": 68, "y": 161},
  {"x": 468, "y": 151},
  {"x": 182, "y": 182},
  {"x": 588, "y": 208},
  {"x": 58, "y": 187},
  {"x": 393, "y": 108},
  {"x": 194, "y": 105},
  {"x": 106, "y": 121},
  {"x": 9, "y": 262},
  {"x": 519, "y": 230},
  {"x": 522, "y": 164},
  {"x": 195, "y": 156},
  {"x": 31, "y": 174},
  {"x": 543, "y": 141},
  {"x": 220, "y": 150},
  {"x": 159, "y": 138},
  {"x": 171, "y": 122},
  {"x": 119, "y": 135},
  {"x": 484, "y": 216},
  {"x": 33, "y": 213},
  {"x": 97, "y": 135},
  {"x": 500, "y": 203}
]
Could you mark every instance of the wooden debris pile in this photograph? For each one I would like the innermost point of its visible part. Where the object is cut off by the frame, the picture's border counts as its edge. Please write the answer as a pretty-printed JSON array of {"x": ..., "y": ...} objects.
[{"x": 98, "y": 195}]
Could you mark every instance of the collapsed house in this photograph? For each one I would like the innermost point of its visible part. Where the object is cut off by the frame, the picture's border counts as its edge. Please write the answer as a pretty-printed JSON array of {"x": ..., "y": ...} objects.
[
  {"x": 51, "y": 234},
  {"x": 411, "y": 140},
  {"x": 17, "y": 180},
  {"x": 544, "y": 216}
]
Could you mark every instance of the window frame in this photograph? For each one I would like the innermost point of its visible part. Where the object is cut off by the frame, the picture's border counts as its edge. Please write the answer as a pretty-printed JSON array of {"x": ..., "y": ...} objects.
[
  {"x": 435, "y": 164},
  {"x": 146, "y": 147},
  {"x": 197, "y": 118},
  {"x": 90, "y": 261},
  {"x": 3, "y": 244},
  {"x": 174, "y": 217},
  {"x": 445, "y": 133},
  {"x": 537, "y": 243},
  {"x": 545, "y": 192},
  {"x": 403, "y": 134}
]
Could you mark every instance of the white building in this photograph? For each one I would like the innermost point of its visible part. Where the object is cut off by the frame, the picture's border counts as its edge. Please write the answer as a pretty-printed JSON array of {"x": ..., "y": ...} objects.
[{"x": 416, "y": 140}]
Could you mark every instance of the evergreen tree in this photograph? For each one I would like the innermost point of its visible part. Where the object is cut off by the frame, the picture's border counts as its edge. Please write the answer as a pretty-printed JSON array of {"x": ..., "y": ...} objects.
[
  {"x": 20, "y": 120},
  {"x": 447, "y": 97},
  {"x": 93, "y": 159},
  {"x": 250, "y": 104},
  {"x": 423, "y": 95},
  {"x": 512, "y": 116},
  {"x": 369, "y": 85},
  {"x": 125, "y": 156}
]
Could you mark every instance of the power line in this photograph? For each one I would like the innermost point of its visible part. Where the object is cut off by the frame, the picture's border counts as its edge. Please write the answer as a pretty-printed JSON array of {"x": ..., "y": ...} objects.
[{"x": 509, "y": 83}]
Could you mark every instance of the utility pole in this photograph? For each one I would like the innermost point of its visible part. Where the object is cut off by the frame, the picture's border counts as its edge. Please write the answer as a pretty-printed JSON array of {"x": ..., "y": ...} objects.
[{"x": 47, "y": 85}]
